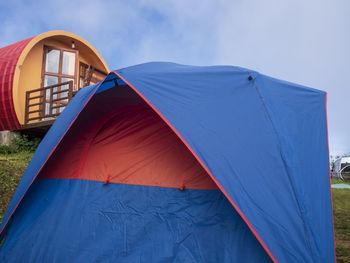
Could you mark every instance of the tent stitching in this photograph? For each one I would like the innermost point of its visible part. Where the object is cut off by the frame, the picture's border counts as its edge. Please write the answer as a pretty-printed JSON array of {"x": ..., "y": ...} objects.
[{"x": 290, "y": 179}]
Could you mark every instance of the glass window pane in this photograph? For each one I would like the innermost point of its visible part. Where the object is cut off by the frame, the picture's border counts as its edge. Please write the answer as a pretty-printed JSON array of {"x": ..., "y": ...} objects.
[
  {"x": 65, "y": 93},
  {"x": 52, "y": 60},
  {"x": 50, "y": 80},
  {"x": 47, "y": 109},
  {"x": 68, "y": 63},
  {"x": 65, "y": 87}
]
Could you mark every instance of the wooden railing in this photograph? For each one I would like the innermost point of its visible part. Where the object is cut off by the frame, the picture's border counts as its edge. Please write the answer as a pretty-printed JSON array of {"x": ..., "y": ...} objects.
[{"x": 47, "y": 103}]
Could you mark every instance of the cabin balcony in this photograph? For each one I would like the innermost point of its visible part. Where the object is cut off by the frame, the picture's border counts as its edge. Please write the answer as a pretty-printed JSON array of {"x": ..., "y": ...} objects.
[{"x": 44, "y": 105}]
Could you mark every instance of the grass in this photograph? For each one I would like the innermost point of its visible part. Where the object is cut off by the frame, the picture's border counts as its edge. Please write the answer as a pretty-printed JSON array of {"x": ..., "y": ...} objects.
[
  {"x": 12, "y": 166},
  {"x": 337, "y": 181},
  {"x": 341, "y": 213}
]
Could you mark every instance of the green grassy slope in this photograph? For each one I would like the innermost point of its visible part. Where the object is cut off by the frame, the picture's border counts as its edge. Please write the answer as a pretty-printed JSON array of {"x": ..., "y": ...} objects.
[{"x": 12, "y": 167}]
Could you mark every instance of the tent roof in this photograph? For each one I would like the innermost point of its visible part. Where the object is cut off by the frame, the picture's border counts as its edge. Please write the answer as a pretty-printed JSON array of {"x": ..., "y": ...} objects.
[{"x": 223, "y": 114}]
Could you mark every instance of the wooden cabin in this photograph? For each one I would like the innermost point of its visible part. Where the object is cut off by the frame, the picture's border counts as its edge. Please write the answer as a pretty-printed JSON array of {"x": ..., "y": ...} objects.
[{"x": 41, "y": 74}]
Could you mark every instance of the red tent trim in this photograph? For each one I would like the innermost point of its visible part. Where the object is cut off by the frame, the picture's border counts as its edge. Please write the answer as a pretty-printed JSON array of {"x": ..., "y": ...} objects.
[
  {"x": 330, "y": 177},
  {"x": 204, "y": 167}
]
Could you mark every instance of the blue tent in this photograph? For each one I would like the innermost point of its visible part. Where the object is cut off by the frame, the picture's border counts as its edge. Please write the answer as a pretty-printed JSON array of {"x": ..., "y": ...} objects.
[{"x": 163, "y": 162}]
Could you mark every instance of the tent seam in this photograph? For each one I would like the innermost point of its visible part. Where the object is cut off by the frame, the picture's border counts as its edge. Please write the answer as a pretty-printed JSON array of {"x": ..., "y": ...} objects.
[{"x": 302, "y": 214}]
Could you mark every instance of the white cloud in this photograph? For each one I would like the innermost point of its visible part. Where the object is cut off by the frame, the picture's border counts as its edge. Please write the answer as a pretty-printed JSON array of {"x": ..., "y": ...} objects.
[{"x": 300, "y": 41}]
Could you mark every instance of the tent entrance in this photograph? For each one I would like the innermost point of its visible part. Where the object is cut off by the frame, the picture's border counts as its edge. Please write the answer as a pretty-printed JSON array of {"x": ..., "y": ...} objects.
[{"x": 130, "y": 145}]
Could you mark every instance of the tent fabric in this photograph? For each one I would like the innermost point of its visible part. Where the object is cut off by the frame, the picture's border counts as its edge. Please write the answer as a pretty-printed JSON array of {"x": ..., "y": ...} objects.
[
  {"x": 127, "y": 223},
  {"x": 279, "y": 125},
  {"x": 226, "y": 117}
]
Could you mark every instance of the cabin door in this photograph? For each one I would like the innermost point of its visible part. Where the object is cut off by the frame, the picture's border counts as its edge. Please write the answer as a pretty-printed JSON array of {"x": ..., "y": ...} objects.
[{"x": 59, "y": 67}]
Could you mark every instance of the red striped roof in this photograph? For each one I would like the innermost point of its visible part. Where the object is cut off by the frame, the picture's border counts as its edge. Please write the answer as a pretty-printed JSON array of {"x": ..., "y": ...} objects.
[{"x": 8, "y": 59}]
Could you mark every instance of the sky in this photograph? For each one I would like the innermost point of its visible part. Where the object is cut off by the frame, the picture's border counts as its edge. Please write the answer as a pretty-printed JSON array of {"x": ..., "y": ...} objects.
[{"x": 306, "y": 42}]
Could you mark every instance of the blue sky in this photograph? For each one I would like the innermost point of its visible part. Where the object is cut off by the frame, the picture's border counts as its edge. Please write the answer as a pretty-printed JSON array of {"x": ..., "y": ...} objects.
[{"x": 307, "y": 42}]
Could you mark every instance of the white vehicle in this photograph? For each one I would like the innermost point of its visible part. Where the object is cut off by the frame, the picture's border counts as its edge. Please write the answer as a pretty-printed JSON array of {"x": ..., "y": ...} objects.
[{"x": 341, "y": 168}]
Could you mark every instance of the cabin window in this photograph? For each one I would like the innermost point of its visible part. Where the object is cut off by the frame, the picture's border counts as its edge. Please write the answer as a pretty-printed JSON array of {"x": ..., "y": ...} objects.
[
  {"x": 52, "y": 60},
  {"x": 59, "y": 66},
  {"x": 59, "y": 63},
  {"x": 68, "y": 63}
]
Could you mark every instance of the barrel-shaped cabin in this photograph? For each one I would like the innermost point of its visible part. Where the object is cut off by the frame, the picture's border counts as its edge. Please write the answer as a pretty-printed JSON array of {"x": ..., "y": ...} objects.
[{"x": 41, "y": 74}]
